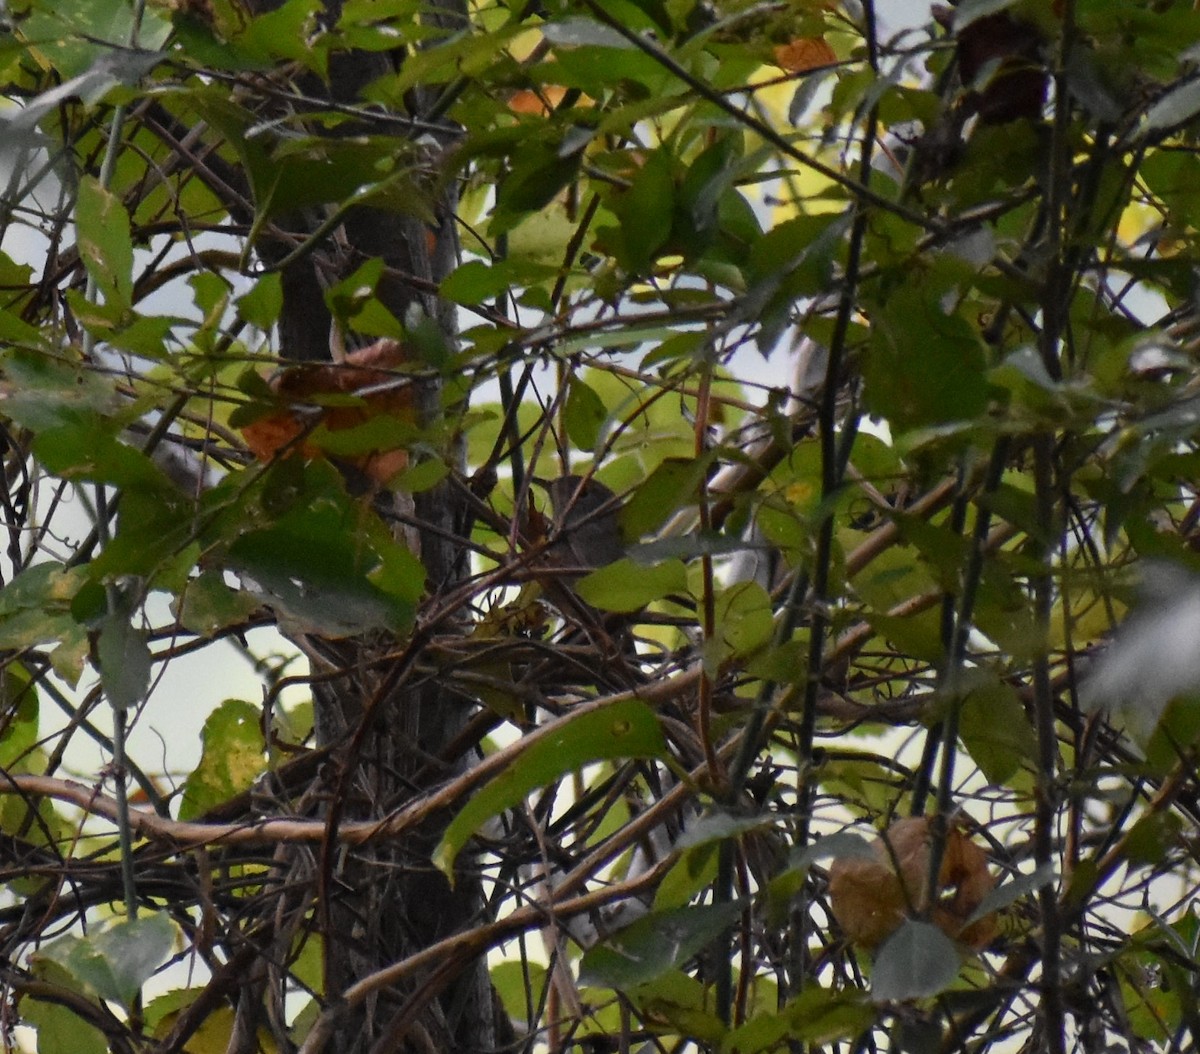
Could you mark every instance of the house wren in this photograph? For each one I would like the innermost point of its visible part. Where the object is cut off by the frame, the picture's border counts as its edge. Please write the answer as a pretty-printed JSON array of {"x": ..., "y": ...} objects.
[
  {"x": 587, "y": 535},
  {"x": 585, "y": 513}
]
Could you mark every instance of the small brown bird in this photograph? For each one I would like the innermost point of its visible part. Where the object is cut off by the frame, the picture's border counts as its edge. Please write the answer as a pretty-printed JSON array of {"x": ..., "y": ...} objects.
[
  {"x": 586, "y": 535},
  {"x": 585, "y": 514}
]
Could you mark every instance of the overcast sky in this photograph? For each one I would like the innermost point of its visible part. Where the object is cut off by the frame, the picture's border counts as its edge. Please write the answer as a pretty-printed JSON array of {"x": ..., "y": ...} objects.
[{"x": 900, "y": 13}]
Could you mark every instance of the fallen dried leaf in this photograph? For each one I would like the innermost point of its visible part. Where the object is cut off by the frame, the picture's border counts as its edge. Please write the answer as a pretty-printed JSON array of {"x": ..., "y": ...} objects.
[{"x": 870, "y": 898}]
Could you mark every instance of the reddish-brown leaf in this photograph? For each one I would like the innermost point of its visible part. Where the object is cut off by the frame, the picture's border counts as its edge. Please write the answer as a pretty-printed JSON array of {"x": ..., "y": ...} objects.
[
  {"x": 870, "y": 898},
  {"x": 803, "y": 54},
  {"x": 368, "y": 373}
]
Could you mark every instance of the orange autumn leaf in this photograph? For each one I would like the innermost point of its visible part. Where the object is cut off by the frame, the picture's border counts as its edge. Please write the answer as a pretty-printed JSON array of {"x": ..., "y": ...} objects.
[
  {"x": 870, "y": 898},
  {"x": 803, "y": 54},
  {"x": 368, "y": 373},
  {"x": 539, "y": 102}
]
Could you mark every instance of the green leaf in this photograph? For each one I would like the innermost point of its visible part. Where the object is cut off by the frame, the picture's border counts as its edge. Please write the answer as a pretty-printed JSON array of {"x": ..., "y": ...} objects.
[
  {"x": 719, "y": 826},
  {"x": 996, "y": 731},
  {"x": 88, "y": 450},
  {"x": 817, "y": 1016},
  {"x": 233, "y": 757},
  {"x": 474, "y": 282},
  {"x": 210, "y": 293},
  {"x": 320, "y": 572},
  {"x": 697, "y": 203},
  {"x": 355, "y": 301},
  {"x": 59, "y": 1028},
  {"x": 658, "y": 942},
  {"x": 44, "y": 391},
  {"x": 208, "y": 605},
  {"x": 1010, "y": 892},
  {"x": 862, "y": 785},
  {"x": 288, "y": 32},
  {"x": 145, "y": 335},
  {"x": 35, "y": 609},
  {"x": 535, "y": 180},
  {"x": 115, "y": 963},
  {"x": 262, "y": 305},
  {"x": 628, "y": 729},
  {"x": 105, "y": 245},
  {"x": 803, "y": 243},
  {"x": 125, "y": 661},
  {"x": 423, "y": 476},
  {"x": 646, "y": 211},
  {"x": 833, "y": 846},
  {"x": 915, "y": 962},
  {"x": 672, "y": 485},
  {"x": 584, "y": 415},
  {"x": 1178, "y": 724},
  {"x": 1152, "y": 837},
  {"x": 20, "y": 704},
  {"x": 925, "y": 367},
  {"x": 153, "y": 527},
  {"x": 682, "y": 1003},
  {"x": 626, "y": 586},
  {"x": 745, "y": 622},
  {"x": 381, "y": 431},
  {"x": 75, "y": 34},
  {"x": 515, "y": 982},
  {"x": 692, "y": 873}
]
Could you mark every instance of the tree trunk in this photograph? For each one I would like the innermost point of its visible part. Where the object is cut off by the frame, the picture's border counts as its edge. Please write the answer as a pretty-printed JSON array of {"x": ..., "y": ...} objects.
[{"x": 381, "y": 902}]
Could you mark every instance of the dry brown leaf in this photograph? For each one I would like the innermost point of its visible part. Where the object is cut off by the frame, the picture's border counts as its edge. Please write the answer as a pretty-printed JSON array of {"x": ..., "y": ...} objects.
[
  {"x": 277, "y": 434},
  {"x": 541, "y": 102},
  {"x": 804, "y": 54},
  {"x": 870, "y": 898}
]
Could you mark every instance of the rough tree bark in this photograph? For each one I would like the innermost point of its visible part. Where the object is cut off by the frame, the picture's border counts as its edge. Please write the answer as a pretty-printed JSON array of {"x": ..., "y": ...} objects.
[{"x": 384, "y": 726}]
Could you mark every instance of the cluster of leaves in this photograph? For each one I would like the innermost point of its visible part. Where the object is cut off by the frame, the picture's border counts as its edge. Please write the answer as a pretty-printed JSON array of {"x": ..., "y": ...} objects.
[{"x": 892, "y": 372}]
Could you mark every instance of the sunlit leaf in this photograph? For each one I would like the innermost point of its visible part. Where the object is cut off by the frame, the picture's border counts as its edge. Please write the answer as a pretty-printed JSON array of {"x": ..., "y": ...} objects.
[
  {"x": 233, "y": 757},
  {"x": 20, "y": 704},
  {"x": 627, "y": 586},
  {"x": 104, "y": 242}
]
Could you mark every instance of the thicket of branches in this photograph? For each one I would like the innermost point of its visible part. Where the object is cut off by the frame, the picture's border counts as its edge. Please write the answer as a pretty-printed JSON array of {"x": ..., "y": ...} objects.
[{"x": 882, "y": 343}]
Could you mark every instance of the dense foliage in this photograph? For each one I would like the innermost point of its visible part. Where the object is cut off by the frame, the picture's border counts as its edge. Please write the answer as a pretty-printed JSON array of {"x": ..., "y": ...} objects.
[{"x": 883, "y": 343}]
